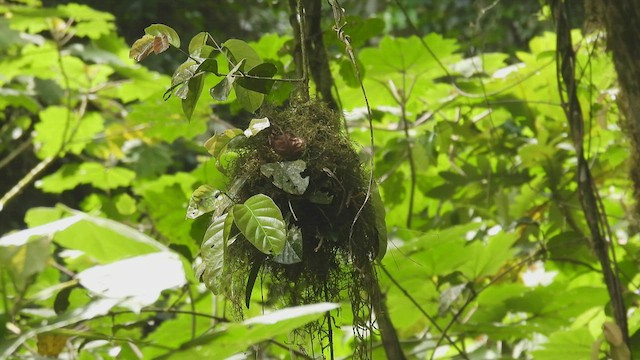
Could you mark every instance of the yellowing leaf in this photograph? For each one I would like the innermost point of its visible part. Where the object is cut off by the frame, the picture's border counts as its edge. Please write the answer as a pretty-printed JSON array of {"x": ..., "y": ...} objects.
[{"x": 50, "y": 344}]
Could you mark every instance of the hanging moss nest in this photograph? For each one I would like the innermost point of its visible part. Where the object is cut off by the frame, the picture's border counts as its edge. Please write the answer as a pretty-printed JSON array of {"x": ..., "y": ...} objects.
[{"x": 339, "y": 235}]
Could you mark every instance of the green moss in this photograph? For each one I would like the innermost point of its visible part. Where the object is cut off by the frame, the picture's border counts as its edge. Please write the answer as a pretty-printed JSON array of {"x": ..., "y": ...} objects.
[{"x": 339, "y": 239}]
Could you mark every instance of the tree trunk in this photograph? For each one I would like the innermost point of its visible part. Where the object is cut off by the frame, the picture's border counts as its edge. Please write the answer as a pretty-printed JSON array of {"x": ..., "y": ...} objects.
[{"x": 622, "y": 22}]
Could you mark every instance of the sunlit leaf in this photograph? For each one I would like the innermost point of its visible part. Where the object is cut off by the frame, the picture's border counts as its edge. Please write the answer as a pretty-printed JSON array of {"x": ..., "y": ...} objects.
[
  {"x": 136, "y": 281},
  {"x": 142, "y": 48},
  {"x": 260, "y": 221},
  {"x": 217, "y": 144},
  {"x": 160, "y": 30},
  {"x": 239, "y": 50},
  {"x": 197, "y": 42},
  {"x": 256, "y": 125},
  {"x": 287, "y": 175},
  {"x": 70, "y": 176},
  {"x": 202, "y": 201},
  {"x": 234, "y": 338}
]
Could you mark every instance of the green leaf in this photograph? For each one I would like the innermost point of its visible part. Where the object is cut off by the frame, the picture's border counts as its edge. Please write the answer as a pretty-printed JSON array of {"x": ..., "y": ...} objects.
[
  {"x": 194, "y": 86},
  {"x": 69, "y": 176},
  {"x": 292, "y": 252},
  {"x": 256, "y": 125},
  {"x": 217, "y": 144},
  {"x": 181, "y": 76},
  {"x": 202, "y": 201},
  {"x": 214, "y": 246},
  {"x": 159, "y": 30},
  {"x": 488, "y": 259},
  {"x": 234, "y": 338},
  {"x": 60, "y": 130},
  {"x": 563, "y": 345},
  {"x": 260, "y": 221},
  {"x": 222, "y": 90},
  {"x": 197, "y": 42},
  {"x": 265, "y": 71},
  {"x": 381, "y": 225},
  {"x": 25, "y": 259},
  {"x": 248, "y": 99},
  {"x": 102, "y": 239},
  {"x": 287, "y": 175},
  {"x": 136, "y": 281},
  {"x": 240, "y": 50},
  {"x": 209, "y": 65}
]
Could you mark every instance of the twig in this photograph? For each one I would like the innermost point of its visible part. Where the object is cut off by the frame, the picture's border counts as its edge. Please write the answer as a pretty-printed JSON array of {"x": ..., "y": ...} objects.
[
  {"x": 15, "y": 152},
  {"x": 25, "y": 181}
]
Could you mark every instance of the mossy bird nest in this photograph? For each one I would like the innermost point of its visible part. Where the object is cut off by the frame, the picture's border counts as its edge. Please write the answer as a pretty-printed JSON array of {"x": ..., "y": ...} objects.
[{"x": 297, "y": 209}]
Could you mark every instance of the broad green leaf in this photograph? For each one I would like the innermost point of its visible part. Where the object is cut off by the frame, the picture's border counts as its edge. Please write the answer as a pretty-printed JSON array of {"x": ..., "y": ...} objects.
[
  {"x": 214, "y": 246},
  {"x": 163, "y": 120},
  {"x": 159, "y": 30},
  {"x": 260, "y": 221},
  {"x": 235, "y": 338},
  {"x": 209, "y": 65},
  {"x": 197, "y": 42},
  {"x": 248, "y": 99},
  {"x": 287, "y": 175},
  {"x": 25, "y": 259},
  {"x": 563, "y": 345},
  {"x": 58, "y": 130},
  {"x": 136, "y": 281},
  {"x": 194, "y": 87},
  {"x": 381, "y": 225},
  {"x": 202, "y": 201},
  {"x": 265, "y": 72},
  {"x": 69, "y": 176},
  {"x": 217, "y": 144},
  {"x": 256, "y": 125},
  {"x": 488, "y": 259},
  {"x": 292, "y": 252},
  {"x": 240, "y": 50}
]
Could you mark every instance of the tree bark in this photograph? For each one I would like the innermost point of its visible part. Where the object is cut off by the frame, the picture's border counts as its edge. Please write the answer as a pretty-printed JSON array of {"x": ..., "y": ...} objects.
[{"x": 622, "y": 22}]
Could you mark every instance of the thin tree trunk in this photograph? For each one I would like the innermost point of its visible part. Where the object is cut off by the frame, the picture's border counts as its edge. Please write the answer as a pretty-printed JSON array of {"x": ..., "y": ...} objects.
[{"x": 622, "y": 22}]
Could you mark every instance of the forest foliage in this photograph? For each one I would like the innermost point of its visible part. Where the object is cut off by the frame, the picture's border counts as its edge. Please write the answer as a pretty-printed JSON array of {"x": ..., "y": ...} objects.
[{"x": 487, "y": 255}]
